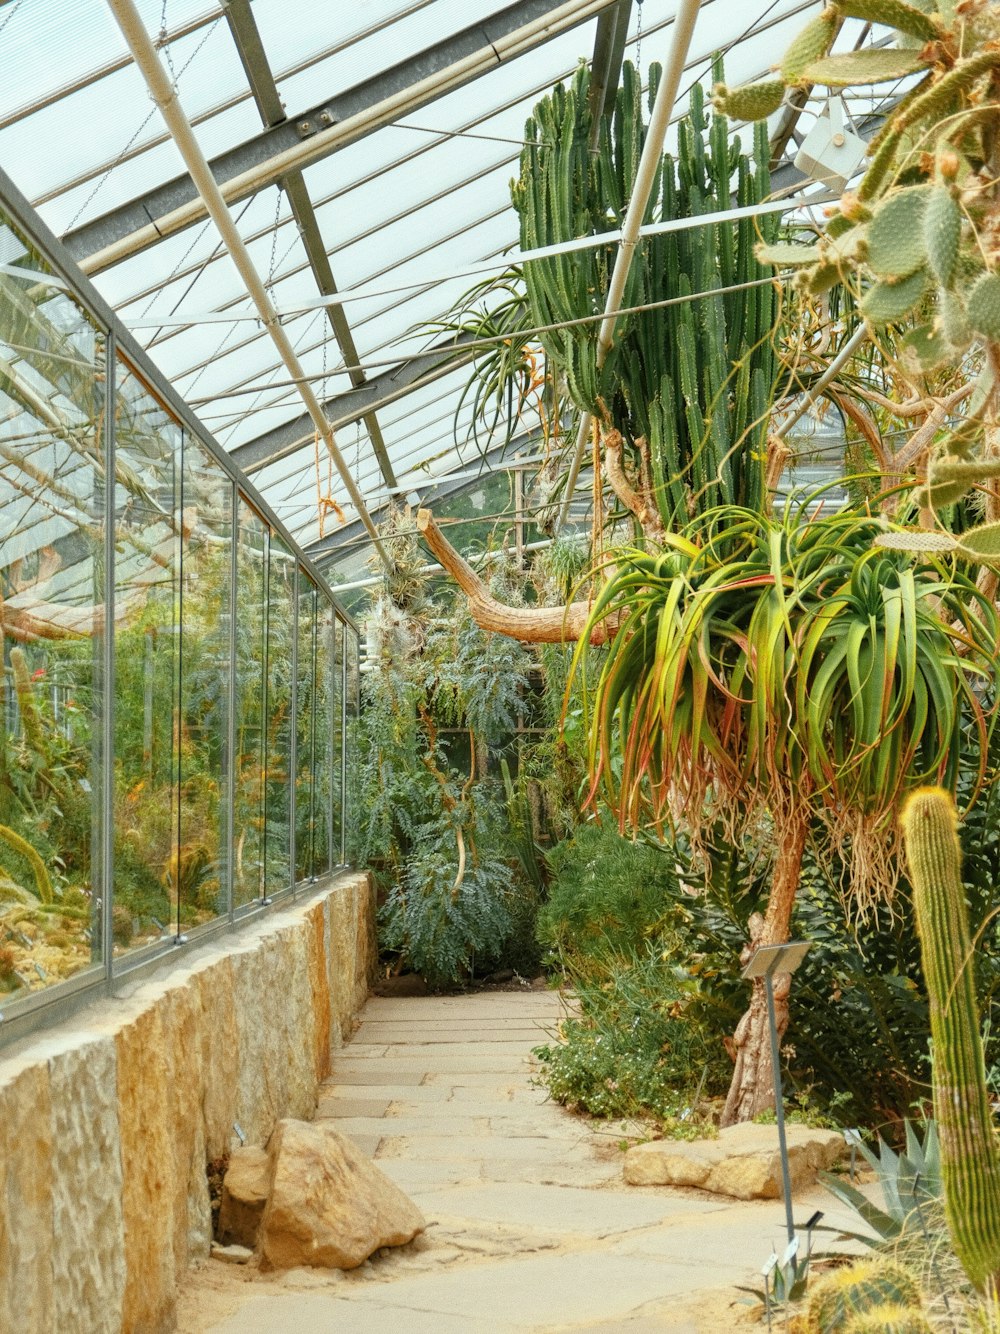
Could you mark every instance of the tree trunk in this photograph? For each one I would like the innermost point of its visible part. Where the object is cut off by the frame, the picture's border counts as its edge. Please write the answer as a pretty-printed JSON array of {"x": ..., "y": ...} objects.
[{"x": 752, "y": 1087}]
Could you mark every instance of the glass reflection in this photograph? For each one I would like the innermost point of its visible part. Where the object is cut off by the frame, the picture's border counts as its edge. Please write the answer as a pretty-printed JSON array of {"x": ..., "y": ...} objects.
[{"x": 52, "y": 458}]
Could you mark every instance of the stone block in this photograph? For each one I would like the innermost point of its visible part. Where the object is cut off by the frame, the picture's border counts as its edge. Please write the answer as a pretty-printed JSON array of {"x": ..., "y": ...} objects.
[
  {"x": 244, "y": 1195},
  {"x": 319, "y": 986},
  {"x": 88, "y": 1234},
  {"x": 26, "y": 1221},
  {"x": 744, "y": 1162},
  {"x": 329, "y": 1206}
]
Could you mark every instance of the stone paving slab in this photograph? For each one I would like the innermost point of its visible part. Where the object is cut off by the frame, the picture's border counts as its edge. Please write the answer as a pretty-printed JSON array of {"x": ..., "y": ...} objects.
[
  {"x": 360, "y": 1074},
  {"x": 335, "y": 1108},
  {"x": 530, "y": 1225},
  {"x": 315, "y": 1313},
  {"x": 539, "y": 1291},
  {"x": 563, "y": 1209},
  {"x": 396, "y": 1036}
]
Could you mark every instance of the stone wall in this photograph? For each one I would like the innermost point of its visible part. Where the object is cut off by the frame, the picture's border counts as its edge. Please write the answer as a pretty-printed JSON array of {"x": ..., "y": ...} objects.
[{"x": 107, "y": 1122}]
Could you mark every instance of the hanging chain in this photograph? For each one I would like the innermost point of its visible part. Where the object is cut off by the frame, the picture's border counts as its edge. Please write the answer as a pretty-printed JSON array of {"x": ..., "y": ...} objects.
[
  {"x": 165, "y": 45},
  {"x": 638, "y": 36},
  {"x": 274, "y": 243}
]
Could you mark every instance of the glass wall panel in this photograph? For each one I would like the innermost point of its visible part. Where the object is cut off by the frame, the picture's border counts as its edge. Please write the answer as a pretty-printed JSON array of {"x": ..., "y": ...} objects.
[
  {"x": 282, "y": 593},
  {"x": 200, "y": 872},
  {"x": 52, "y": 448},
  {"x": 249, "y": 758},
  {"x": 306, "y": 733},
  {"x": 146, "y": 811},
  {"x": 337, "y": 746},
  {"x": 352, "y": 689},
  {"x": 325, "y": 853}
]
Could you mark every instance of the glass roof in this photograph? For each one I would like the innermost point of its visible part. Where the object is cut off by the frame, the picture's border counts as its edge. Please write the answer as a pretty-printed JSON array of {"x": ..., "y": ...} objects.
[{"x": 401, "y": 210}]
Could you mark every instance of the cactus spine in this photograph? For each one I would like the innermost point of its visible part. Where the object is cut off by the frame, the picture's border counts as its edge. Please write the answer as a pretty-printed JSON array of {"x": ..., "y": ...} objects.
[
  {"x": 970, "y": 1160},
  {"x": 857, "y": 1289}
]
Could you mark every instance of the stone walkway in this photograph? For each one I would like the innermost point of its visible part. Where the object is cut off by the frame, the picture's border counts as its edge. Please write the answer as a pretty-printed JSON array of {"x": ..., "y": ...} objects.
[{"x": 531, "y": 1228}]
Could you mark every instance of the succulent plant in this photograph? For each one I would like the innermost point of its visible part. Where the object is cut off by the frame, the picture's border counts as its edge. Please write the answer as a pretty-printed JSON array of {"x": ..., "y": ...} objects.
[
  {"x": 889, "y": 1320},
  {"x": 928, "y": 195},
  {"x": 858, "y": 1289},
  {"x": 970, "y": 1160}
]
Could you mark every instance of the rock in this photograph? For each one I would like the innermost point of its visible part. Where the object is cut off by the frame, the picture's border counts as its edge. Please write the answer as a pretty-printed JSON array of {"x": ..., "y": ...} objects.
[
  {"x": 232, "y": 1255},
  {"x": 744, "y": 1162},
  {"x": 329, "y": 1205},
  {"x": 244, "y": 1195}
]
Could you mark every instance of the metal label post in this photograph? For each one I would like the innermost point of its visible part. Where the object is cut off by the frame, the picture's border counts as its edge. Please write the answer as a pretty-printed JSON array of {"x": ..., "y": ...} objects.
[{"x": 766, "y": 962}]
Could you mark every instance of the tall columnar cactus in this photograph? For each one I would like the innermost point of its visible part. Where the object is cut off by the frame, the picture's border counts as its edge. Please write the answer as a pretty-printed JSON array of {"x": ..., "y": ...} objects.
[
  {"x": 695, "y": 379},
  {"x": 970, "y": 1159}
]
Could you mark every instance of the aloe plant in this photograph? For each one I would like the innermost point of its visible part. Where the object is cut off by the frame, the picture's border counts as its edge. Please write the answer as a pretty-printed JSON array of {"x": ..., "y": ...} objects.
[{"x": 788, "y": 669}]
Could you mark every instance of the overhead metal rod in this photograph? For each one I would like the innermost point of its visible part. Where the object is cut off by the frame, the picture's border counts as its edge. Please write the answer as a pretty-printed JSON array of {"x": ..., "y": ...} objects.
[
  {"x": 246, "y": 36},
  {"x": 319, "y": 131},
  {"x": 343, "y": 409},
  {"x": 645, "y": 177},
  {"x": 165, "y": 96}
]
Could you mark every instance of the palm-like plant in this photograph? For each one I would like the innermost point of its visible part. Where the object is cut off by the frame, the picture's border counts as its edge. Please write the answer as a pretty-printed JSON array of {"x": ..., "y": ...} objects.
[{"x": 790, "y": 670}]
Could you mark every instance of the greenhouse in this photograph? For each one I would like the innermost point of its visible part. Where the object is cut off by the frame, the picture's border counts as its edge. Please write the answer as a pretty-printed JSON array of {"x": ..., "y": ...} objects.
[{"x": 500, "y": 607}]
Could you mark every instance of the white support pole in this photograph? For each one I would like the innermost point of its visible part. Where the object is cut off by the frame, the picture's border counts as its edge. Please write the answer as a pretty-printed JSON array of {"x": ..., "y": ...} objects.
[
  {"x": 649, "y": 165},
  {"x": 164, "y": 95}
]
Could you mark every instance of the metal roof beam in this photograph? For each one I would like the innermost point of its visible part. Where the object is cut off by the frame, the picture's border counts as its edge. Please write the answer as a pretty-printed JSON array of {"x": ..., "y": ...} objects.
[
  {"x": 319, "y": 131},
  {"x": 353, "y": 405},
  {"x": 606, "y": 66},
  {"x": 246, "y": 36}
]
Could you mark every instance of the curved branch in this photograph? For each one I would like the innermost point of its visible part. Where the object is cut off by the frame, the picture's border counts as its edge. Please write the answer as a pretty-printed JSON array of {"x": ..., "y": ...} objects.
[{"x": 531, "y": 625}]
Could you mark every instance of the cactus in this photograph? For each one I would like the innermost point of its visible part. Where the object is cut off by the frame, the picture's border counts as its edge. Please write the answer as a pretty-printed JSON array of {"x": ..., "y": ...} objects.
[
  {"x": 695, "y": 380},
  {"x": 855, "y": 1290},
  {"x": 954, "y": 320},
  {"x": 871, "y": 65},
  {"x": 984, "y": 306},
  {"x": 751, "y": 101},
  {"x": 811, "y": 44},
  {"x": 889, "y": 1320},
  {"x": 942, "y": 231},
  {"x": 894, "y": 14},
  {"x": 896, "y": 242},
  {"x": 970, "y": 1160},
  {"x": 885, "y": 303}
]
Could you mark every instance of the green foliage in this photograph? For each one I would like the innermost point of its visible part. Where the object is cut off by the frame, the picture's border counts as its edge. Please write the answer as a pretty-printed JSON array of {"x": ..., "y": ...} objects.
[
  {"x": 970, "y": 1160},
  {"x": 607, "y": 894},
  {"x": 453, "y": 848},
  {"x": 910, "y": 1182},
  {"x": 767, "y": 662}
]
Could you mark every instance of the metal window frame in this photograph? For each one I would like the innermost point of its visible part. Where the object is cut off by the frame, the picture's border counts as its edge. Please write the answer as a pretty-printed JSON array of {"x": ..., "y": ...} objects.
[{"x": 110, "y": 975}]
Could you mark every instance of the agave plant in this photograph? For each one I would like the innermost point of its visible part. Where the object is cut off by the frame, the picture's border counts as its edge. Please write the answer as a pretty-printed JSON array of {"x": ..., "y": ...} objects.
[{"x": 785, "y": 669}]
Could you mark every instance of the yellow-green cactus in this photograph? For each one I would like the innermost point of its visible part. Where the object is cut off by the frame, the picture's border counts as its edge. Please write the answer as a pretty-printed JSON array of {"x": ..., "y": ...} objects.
[
  {"x": 889, "y": 1320},
  {"x": 970, "y": 1161},
  {"x": 857, "y": 1289}
]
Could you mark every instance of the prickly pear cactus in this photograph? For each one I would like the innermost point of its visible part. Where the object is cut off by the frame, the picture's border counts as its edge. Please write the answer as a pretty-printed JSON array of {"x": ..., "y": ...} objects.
[
  {"x": 929, "y": 196},
  {"x": 857, "y": 1289},
  {"x": 970, "y": 1160}
]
